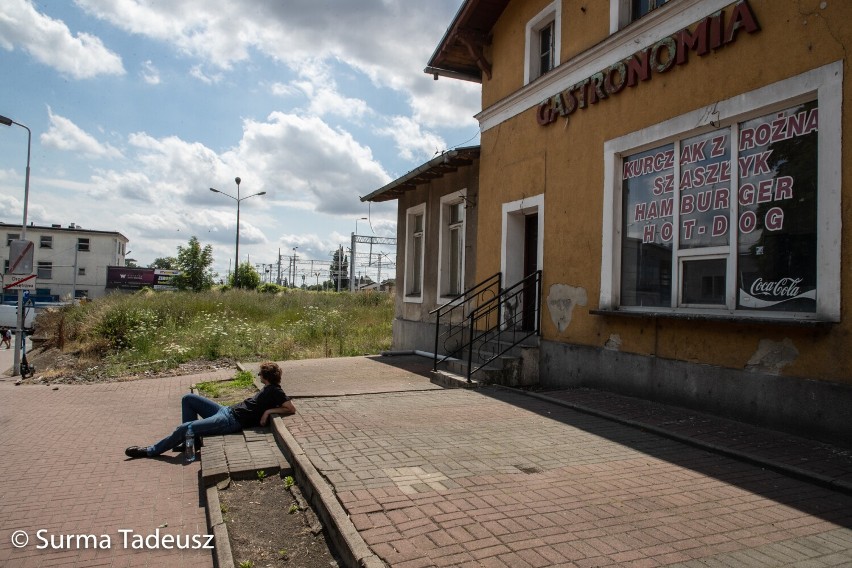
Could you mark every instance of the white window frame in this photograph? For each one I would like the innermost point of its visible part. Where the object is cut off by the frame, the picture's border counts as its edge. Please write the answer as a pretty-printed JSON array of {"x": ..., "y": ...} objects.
[
  {"x": 410, "y": 214},
  {"x": 45, "y": 242},
  {"x": 825, "y": 84},
  {"x": 84, "y": 241},
  {"x": 444, "y": 241},
  {"x": 551, "y": 14}
]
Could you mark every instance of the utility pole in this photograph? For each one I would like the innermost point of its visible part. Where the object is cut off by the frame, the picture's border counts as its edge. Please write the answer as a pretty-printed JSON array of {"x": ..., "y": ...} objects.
[
  {"x": 352, "y": 266},
  {"x": 339, "y": 265}
]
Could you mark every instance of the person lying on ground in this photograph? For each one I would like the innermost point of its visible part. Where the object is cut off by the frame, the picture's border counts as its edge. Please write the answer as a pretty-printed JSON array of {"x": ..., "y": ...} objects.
[{"x": 217, "y": 419}]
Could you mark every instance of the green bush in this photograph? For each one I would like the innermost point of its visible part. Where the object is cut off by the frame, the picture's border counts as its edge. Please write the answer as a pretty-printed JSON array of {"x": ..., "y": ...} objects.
[{"x": 270, "y": 288}]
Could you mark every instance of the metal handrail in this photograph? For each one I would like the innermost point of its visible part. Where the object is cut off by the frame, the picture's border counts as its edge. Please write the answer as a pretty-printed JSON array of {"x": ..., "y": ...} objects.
[
  {"x": 511, "y": 296},
  {"x": 463, "y": 304}
]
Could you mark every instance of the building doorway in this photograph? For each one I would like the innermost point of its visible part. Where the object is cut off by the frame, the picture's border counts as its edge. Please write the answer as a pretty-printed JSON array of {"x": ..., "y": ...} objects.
[{"x": 522, "y": 256}]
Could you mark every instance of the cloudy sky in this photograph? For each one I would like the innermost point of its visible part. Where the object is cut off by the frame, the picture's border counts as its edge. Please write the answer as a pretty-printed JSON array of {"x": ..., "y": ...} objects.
[{"x": 137, "y": 107}]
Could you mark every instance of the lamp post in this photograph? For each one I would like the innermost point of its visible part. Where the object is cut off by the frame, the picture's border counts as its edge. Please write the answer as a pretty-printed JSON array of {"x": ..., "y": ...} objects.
[
  {"x": 16, "y": 364},
  {"x": 356, "y": 223},
  {"x": 293, "y": 273},
  {"x": 238, "y": 199}
]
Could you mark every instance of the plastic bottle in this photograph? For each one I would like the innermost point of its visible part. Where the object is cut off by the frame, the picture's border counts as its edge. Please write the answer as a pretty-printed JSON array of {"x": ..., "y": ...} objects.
[{"x": 189, "y": 452}]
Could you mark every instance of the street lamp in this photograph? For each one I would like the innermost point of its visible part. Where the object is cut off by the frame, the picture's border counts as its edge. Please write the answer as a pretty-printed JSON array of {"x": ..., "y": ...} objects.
[
  {"x": 356, "y": 223},
  {"x": 238, "y": 199},
  {"x": 16, "y": 364},
  {"x": 293, "y": 273}
]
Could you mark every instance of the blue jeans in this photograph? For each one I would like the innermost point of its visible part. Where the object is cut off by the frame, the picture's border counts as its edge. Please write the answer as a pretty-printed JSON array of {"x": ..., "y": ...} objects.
[{"x": 215, "y": 419}]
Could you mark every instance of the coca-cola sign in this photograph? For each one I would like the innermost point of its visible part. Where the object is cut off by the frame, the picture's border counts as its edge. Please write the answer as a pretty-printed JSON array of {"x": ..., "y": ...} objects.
[
  {"x": 765, "y": 293},
  {"x": 785, "y": 288}
]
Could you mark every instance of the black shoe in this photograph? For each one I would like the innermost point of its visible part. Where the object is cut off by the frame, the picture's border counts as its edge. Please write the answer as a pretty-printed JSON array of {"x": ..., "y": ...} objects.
[{"x": 136, "y": 452}]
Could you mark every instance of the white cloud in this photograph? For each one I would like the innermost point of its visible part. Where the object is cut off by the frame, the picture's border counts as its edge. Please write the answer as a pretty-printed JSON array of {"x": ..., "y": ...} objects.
[
  {"x": 67, "y": 136},
  {"x": 317, "y": 84},
  {"x": 50, "y": 42},
  {"x": 306, "y": 159},
  {"x": 209, "y": 78},
  {"x": 411, "y": 139},
  {"x": 303, "y": 34},
  {"x": 149, "y": 73}
]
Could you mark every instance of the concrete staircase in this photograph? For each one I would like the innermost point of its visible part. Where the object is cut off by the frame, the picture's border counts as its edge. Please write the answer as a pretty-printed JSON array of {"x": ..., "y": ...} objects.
[{"x": 517, "y": 367}]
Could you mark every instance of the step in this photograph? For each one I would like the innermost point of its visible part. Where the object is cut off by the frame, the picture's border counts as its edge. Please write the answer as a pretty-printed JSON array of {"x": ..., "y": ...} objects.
[{"x": 450, "y": 380}]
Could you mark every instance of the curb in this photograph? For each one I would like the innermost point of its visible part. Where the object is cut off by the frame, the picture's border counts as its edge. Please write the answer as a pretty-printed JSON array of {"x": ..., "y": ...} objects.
[
  {"x": 350, "y": 546},
  {"x": 224, "y": 555},
  {"x": 782, "y": 468}
]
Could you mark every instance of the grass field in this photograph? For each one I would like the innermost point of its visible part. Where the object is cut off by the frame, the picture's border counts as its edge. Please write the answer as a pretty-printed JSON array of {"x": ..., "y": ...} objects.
[{"x": 123, "y": 331}]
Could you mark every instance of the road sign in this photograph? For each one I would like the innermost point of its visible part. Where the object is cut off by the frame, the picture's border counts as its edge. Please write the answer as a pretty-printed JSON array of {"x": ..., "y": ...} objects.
[
  {"x": 21, "y": 257},
  {"x": 19, "y": 282}
]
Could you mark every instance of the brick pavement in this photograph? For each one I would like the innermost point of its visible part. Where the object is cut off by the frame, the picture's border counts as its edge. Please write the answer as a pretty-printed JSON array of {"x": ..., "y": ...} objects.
[
  {"x": 496, "y": 478},
  {"x": 63, "y": 470},
  {"x": 430, "y": 477}
]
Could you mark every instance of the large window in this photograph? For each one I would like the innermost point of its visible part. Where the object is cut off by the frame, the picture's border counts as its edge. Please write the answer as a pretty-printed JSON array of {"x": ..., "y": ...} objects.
[
  {"x": 452, "y": 242},
  {"x": 738, "y": 218},
  {"x": 688, "y": 240},
  {"x": 543, "y": 39},
  {"x": 415, "y": 231}
]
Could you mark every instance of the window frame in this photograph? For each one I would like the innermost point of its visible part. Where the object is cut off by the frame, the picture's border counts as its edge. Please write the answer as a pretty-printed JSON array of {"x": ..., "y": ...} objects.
[
  {"x": 824, "y": 85},
  {"x": 444, "y": 242},
  {"x": 45, "y": 242},
  {"x": 12, "y": 237},
  {"x": 80, "y": 243},
  {"x": 44, "y": 270},
  {"x": 621, "y": 13},
  {"x": 550, "y": 15},
  {"x": 412, "y": 272}
]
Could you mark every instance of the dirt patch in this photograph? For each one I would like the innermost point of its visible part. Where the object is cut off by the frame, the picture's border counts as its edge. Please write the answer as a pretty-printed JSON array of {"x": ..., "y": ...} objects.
[
  {"x": 55, "y": 367},
  {"x": 269, "y": 526}
]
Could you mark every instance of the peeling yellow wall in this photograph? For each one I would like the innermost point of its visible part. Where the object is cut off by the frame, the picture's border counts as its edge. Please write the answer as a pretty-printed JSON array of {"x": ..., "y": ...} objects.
[{"x": 564, "y": 161}]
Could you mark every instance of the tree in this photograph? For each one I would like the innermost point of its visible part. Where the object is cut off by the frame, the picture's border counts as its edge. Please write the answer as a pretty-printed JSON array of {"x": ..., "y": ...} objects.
[
  {"x": 340, "y": 269},
  {"x": 164, "y": 263},
  {"x": 247, "y": 277},
  {"x": 195, "y": 264}
]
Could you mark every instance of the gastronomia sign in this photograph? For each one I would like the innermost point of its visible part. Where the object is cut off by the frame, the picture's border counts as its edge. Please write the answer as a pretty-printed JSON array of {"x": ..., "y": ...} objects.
[{"x": 711, "y": 34}]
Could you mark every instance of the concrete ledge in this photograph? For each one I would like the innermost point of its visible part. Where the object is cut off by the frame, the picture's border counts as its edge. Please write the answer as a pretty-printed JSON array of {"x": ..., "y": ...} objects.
[
  {"x": 351, "y": 547},
  {"x": 818, "y": 409},
  {"x": 835, "y": 484},
  {"x": 224, "y": 555}
]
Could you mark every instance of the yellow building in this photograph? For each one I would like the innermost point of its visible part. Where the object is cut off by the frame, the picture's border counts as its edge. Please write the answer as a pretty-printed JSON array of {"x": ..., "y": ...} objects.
[{"x": 675, "y": 172}]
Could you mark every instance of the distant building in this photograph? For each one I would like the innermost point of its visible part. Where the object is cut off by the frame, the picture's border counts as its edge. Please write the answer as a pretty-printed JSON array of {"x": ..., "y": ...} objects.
[{"x": 69, "y": 262}]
